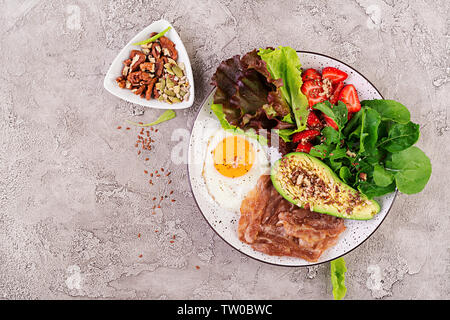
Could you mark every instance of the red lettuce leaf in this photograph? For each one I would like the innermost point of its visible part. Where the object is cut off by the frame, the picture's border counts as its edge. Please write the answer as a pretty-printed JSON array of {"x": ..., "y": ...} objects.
[{"x": 250, "y": 98}]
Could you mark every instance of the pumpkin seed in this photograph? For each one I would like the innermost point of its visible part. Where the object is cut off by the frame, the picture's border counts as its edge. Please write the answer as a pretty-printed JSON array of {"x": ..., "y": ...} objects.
[
  {"x": 169, "y": 92},
  {"x": 177, "y": 71},
  {"x": 169, "y": 83}
]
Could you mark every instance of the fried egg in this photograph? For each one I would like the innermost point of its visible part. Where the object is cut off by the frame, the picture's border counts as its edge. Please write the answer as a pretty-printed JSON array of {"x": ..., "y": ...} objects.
[{"x": 232, "y": 167}]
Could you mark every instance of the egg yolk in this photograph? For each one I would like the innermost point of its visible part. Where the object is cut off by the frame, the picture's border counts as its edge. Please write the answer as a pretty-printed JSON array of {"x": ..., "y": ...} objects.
[{"x": 233, "y": 156}]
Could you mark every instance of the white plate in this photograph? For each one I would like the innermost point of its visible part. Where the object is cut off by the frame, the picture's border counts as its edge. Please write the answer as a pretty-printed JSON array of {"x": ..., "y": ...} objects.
[
  {"x": 115, "y": 70},
  {"x": 225, "y": 222}
]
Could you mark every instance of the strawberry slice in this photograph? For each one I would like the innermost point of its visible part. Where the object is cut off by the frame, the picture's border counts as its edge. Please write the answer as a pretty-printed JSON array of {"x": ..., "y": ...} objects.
[
  {"x": 330, "y": 122},
  {"x": 305, "y": 136},
  {"x": 311, "y": 74},
  {"x": 313, "y": 120},
  {"x": 349, "y": 96},
  {"x": 304, "y": 147},
  {"x": 334, "y": 74},
  {"x": 337, "y": 88},
  {"x": 313, "y": 89}
]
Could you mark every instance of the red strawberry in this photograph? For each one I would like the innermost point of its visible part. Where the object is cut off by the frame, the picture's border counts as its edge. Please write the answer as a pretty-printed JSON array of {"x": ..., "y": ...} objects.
[
  {"x": 304, "y": 147},
  {"x": 334, "y": 74},
  {"x": 349, "y": 96},
  {"x": 337, "y": 87},
  {"x": 311, "y": 74},
  {"x": 312, "y": 89},
  {"x": 313, "y": 120},
  {"x": 305, "y": 135},
  {"x": 330, "y": 122}
]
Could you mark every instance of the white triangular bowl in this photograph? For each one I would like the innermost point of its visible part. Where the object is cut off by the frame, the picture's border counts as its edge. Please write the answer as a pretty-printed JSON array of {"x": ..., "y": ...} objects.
[{"x": 115, "y": 69}]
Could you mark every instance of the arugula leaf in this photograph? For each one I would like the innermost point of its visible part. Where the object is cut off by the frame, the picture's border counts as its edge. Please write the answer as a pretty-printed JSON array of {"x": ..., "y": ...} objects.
[
  {"x": 321, "y": 151},
  {"x": 345, "y": 174},
  {"x": 338, "y": 270},
  {"x": 411, "y": 169},
  {"x": 381, "y": 176},
  {"x": 166, "y": 116},
  {"x": 356, "y": 134},
  {"x": 354, "y": 122},
  {"x": 400, "y": 137},
  {"x": 389, "y": 110},
  {"x": 371, "y": 189},
  {"x": 370, "y": 121},
  {"x": 283, "y": 63},
  {"x": 338, "y": 113},
  {"x": 330, "y": 136}
]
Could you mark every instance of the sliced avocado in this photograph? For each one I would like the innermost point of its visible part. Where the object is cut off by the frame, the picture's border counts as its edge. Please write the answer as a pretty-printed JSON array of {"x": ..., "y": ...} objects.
[{"x": 309, "y": 183}]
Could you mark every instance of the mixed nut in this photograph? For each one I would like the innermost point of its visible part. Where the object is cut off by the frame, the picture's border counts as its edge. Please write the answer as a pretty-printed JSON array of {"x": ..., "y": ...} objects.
[{"x": 153, "y": 72}]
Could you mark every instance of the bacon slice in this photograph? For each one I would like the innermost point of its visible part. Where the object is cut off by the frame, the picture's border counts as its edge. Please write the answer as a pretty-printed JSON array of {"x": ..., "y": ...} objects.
[{"x": 273, "y": 225}]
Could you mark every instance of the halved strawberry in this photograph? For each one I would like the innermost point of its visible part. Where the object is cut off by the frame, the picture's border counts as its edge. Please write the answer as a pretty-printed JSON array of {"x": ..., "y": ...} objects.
[
  {"x": 304, "y": 147},
  {"x": 330, "y": 122},
  {"x": 305, "y": 135},
  {"x": 311, "y": 74},
  {"x": 337, "y": 87},
  {"x": 313, "y": 101},
  {"x": 313, "y": 89},
  {"x": 349, "y": 96},
  {"x": 313, "y": 120},
  {"x": 334, "y": 74}
]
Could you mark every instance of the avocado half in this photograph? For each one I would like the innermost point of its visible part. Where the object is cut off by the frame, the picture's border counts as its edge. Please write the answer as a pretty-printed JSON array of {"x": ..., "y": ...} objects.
[{"x": 309, "y": 183}]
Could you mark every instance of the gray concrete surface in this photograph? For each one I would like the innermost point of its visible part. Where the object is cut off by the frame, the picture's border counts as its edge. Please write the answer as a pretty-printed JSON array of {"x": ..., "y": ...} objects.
[{"x": 73, "y": 195}]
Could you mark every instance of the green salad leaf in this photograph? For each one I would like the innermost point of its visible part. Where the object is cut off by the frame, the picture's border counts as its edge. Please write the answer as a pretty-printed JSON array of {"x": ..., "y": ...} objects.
[
  {"x": 283, "y": 63},
  {"x": 154, "y": 38},
  {"x": 389, "y": 110},
  {"x": 381, "y": 176},
  {"x": 411, "y": 169},
  {"x": 338, "y": 270},
  {"x": 218, "y": 111},
  {"x": 166, "y": 116},
  {"x": 338, "y": 113},
  {"x": 373, "y": 151},
  {"x": 370, "y": 120},
  {"x": 400, "y": 137}
]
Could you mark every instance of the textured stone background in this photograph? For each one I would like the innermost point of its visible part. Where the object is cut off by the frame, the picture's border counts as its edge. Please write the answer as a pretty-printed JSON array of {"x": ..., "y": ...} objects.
[{"x": 73, "y": 195}]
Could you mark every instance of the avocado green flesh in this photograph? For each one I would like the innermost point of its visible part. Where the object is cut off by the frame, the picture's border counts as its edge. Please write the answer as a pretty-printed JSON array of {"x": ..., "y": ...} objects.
[{"x": 309, "y": 183}]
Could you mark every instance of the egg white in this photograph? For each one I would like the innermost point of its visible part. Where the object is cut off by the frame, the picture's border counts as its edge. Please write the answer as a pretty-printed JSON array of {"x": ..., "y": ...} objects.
[{"x": 229, "y": 192}]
